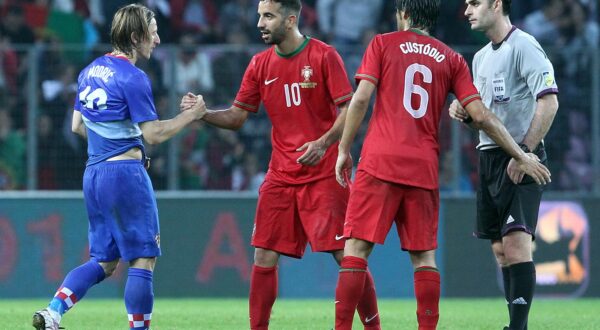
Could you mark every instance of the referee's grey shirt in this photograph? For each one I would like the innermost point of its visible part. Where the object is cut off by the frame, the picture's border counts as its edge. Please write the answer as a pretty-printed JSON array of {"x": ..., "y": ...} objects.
[{"x": 510, "y": 77}]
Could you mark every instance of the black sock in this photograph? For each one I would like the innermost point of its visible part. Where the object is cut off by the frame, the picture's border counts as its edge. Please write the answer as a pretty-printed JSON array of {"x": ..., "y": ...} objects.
[
  {"x": 522, "y": 284},
  {"x": 506, "y": 281}
]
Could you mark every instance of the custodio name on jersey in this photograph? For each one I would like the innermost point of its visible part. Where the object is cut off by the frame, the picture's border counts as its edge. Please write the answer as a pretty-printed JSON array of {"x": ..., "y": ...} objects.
[{"x": 417, "y": 48}]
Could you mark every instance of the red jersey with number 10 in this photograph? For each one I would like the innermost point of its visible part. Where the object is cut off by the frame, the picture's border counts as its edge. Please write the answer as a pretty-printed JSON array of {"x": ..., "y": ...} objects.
[
  {"x": 300, "y": 92},
  {"x": 414, "y": 73}
]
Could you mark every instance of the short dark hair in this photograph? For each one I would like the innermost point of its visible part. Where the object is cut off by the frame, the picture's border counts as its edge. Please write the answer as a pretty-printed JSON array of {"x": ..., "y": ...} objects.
[
  {"x": 130, "y": 19},
  {"x": 293, "y": 6},
  {"x": 422, "y": 13},
  {"x": 505, "y": 6}
]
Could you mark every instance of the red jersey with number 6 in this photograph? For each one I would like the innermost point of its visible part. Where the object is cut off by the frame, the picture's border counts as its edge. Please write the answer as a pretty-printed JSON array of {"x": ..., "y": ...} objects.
[
  {"x": 414, "y": 73},
  {"x": 300, "y": 92}
]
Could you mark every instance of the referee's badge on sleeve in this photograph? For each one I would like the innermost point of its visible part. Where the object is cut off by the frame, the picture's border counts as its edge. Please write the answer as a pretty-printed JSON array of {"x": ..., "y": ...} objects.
[{"x": 548, "y": 78}]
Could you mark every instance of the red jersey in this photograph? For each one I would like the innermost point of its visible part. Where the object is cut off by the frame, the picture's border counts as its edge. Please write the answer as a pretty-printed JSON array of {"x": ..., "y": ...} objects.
[
  {"x": 300, "y": 92},
  {"x": 414, "y": 73}
]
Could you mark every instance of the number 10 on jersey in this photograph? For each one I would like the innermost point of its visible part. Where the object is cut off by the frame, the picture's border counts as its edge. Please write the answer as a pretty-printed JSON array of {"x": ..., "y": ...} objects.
[{"x": 292, "y": 94}]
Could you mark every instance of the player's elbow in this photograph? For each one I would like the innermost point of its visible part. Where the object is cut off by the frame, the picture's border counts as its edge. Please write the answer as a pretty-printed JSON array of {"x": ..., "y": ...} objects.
[
  {"x": 359, "y": 102},
  {"x": 237, "y": 124},
  {"x": 152, "y": 139}
]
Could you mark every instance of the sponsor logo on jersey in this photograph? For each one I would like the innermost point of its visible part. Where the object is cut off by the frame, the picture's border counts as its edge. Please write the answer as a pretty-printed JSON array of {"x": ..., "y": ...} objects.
[
  {"x": 268, "y": 82},
  {"x": 307, "y": 73}
]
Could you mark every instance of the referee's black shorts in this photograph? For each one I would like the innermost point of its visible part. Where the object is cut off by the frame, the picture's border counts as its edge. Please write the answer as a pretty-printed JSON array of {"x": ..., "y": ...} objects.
[{"x": 503, "y": 206}]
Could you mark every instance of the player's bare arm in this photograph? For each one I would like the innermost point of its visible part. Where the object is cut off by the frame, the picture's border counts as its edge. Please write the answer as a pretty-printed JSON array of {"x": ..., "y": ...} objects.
[
  {"x": 77, "y": 125},
  {"x": 546, "y": 109},
  {"x": 158, "y": 131},
  {"x": 232, "y": 118},
  {"x": 315, "y": 150},
  {"x": 354, "y": 117},
  {"x": 488, "y": 122}
]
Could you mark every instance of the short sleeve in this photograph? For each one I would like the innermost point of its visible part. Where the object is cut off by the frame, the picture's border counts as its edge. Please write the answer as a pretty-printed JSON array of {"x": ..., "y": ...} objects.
[
  {"x": 138, "y": 95},
  {"x": 77, "y": 105},
  {"x": 248, "y": 97},
  {"x": 370, "y": 67},
  {"x": 336, "y": 77},
  {"x": 462, "y": 83},
  {"x": 535, "y": 67}
]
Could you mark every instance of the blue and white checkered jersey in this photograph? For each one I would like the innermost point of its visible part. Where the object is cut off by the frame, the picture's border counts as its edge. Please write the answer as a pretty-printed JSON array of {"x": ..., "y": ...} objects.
[{"x": 114, "y": 96}]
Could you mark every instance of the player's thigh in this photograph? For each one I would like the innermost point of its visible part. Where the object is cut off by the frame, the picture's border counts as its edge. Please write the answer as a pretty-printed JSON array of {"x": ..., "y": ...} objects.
[
  {"x": 417, "y": 218},
  {"x": 129, "y": 204},
  {"x": 102, "y": 245},
  {"x": 371, "y": 209},
  {"x": 523, "y": 209},
  {"x": 322, "y": 209},
  {"x": 493, "y": 194},
  {"x": 277, "y": 225}
]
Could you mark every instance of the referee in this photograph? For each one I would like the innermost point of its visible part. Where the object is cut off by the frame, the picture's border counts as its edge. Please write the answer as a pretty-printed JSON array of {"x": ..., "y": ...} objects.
[{"x": 516, "y": 82}]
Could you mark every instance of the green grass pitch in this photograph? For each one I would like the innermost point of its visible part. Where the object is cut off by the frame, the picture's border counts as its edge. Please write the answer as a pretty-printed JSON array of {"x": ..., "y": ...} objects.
[{"x": 288, "y": 314}]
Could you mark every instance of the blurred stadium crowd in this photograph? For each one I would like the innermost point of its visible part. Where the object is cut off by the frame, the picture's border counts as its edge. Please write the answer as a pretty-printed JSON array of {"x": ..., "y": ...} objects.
[{"x": 206, "y": 47}]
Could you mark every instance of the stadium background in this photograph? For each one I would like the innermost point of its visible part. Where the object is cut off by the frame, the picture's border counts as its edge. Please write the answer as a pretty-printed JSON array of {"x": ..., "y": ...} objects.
[{"x": 207, "y": 178}]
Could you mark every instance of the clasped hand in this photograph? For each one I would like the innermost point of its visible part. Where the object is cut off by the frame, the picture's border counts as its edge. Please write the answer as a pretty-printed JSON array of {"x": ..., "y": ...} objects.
[{"x": 195, "y": 103}]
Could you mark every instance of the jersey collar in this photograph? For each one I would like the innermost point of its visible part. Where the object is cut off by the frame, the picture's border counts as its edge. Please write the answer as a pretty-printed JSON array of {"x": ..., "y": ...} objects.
[
  {"x": 496, "y": 46},
  {"x": 417, "y": 31},
  {"x": 298, "y": 50}
]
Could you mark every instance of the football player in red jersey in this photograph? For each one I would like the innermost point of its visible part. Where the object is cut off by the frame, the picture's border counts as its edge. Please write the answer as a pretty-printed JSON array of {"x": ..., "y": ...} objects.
[
  {"x": 302, "y": 84},
  {"x": 397, "y": 177}
]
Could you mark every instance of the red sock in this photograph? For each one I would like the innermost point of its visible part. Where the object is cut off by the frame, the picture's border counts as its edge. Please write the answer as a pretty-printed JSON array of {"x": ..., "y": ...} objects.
[
  {"x": 349, "y": 290},
  {"x": 367, "y": 306},
  {"x": 427, "y": 292},
  {"x": 263, "y": 291}
]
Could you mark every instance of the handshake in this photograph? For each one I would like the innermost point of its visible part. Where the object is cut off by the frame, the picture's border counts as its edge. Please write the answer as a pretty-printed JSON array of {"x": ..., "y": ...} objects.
[{"x": 194, "y": 103}]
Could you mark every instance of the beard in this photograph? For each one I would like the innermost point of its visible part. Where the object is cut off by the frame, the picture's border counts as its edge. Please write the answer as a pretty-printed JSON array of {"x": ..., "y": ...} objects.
[{"x": 275, "y": 36}]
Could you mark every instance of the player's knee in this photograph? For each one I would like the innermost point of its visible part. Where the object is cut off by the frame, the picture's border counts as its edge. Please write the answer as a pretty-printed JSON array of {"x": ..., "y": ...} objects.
[
  {"x": 143, "y": 263},
  {"x": 422, "y": 259},
  {"x": 109, "y": 267},
  {"x": 498, "y": 250},
  {"x": 265, "y": 258}
]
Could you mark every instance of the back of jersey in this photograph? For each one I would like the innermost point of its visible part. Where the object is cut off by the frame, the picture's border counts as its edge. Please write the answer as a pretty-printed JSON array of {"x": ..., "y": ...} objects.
[
  {"x": 414, "y": 73},
  {"x": 113, "y": 97}
]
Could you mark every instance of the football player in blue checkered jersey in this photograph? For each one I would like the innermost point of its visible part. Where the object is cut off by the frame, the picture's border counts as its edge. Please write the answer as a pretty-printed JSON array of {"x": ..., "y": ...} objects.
[{"x": 114, "y": 109}]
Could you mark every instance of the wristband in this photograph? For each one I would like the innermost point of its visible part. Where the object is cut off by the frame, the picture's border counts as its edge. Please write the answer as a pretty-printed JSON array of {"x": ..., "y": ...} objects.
[
  {"x": 468, "y": 120},
  {"x": 525, "y": 148}
]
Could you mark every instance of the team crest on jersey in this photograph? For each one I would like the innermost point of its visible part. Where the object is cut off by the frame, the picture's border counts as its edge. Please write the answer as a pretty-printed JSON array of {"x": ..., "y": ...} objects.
[
  {"x": 548, "y": 78},
  {"x": 307, "y": 73}
]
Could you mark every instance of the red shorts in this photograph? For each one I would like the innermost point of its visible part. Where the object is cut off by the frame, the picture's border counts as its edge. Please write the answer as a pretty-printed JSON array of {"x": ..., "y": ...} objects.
[
  {"x": 289, "y": 216},
  {"x": 374, "y": 204}
]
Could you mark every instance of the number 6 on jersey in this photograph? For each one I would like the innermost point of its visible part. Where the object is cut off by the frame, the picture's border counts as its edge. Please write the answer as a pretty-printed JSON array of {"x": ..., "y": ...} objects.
[{"x": 410, "y": 88}]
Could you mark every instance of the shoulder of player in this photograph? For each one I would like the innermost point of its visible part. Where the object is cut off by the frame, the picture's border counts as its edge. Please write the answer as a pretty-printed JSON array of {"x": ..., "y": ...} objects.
[
  {"x": 521, "y": 41},
  {"x": 482, "y": 51},
  {"x": 321, "y": 46}
]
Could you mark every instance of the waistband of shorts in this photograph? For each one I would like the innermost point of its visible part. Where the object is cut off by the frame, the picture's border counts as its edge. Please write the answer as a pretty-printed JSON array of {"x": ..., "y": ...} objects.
[
  {"x": 118, "y": 162},
  {"x": 494, "y": 148}
]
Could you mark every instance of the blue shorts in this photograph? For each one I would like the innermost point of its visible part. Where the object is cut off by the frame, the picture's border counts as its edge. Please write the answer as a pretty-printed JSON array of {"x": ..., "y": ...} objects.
[{"x": 122, "y": 212}]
